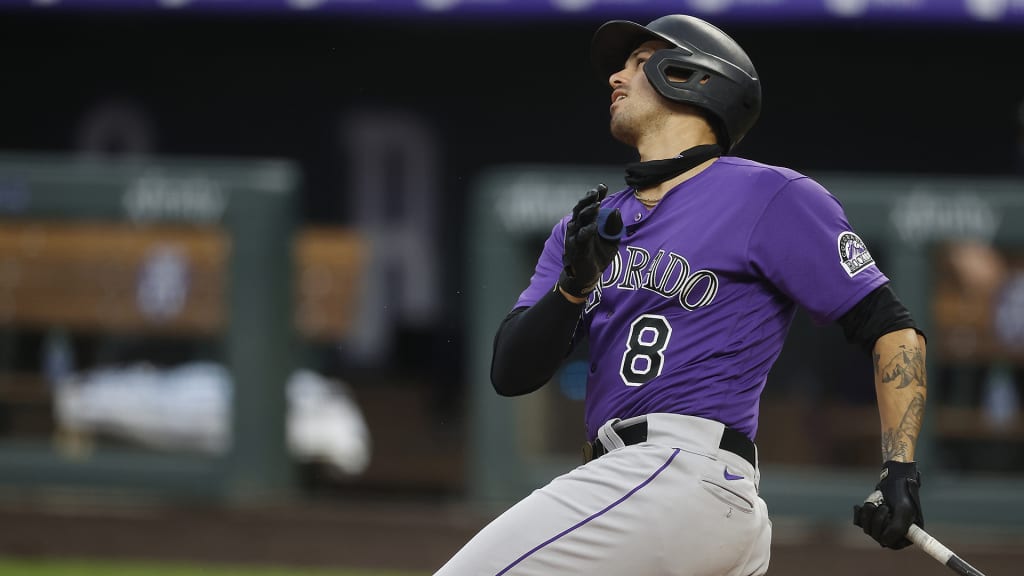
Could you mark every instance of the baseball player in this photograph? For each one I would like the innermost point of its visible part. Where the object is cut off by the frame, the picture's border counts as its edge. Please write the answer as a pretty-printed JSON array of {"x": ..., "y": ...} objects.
[{"x": 685, "y": 284}]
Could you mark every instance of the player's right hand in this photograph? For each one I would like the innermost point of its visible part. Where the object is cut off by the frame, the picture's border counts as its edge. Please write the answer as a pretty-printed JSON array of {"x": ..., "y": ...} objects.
[
  {"x": 888, "y": 512},
  {"x": 591, "y": 242}
]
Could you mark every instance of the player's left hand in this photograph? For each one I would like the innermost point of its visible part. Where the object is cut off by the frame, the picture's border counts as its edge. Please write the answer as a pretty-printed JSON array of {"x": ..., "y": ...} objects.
[{"x": 888, "y": 512}]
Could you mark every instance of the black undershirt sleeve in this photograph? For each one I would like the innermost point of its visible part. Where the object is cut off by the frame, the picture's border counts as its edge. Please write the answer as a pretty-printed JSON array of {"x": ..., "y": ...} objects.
[
  {"x": 531, "y": 344},
  {"x": 877, "y": 314}
]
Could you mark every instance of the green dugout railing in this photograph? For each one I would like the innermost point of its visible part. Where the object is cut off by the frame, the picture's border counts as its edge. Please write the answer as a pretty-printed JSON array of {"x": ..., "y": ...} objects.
[{"x": 253, "y": 203}]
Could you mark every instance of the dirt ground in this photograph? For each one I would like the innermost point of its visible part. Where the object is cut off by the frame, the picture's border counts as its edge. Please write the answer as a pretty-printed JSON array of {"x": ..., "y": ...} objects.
[
  {"x": 415, "y": 522},
  {"x": 408, "y": 535}
]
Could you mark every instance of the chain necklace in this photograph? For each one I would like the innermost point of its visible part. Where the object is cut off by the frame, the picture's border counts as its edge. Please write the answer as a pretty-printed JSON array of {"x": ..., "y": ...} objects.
[{"x": 646, "y": 202}]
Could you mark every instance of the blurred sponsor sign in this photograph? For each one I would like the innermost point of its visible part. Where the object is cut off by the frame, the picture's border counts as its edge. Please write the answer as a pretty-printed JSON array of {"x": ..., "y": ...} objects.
[{"x": 911, "y": 11}]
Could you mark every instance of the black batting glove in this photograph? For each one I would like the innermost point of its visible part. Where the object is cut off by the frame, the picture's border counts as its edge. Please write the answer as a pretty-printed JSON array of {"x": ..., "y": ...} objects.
[
  {"x": 888, "y": 512},
  {"x": 591, "y": 241}
]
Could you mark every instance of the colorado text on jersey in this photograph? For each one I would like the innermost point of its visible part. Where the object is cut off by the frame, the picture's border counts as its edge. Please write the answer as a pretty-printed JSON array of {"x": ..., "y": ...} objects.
[{"x": 665, "y": 274}]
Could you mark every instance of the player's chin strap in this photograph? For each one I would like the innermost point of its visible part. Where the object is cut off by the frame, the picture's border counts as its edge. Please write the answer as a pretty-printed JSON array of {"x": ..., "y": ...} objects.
[{"x": 642, "y": 175}]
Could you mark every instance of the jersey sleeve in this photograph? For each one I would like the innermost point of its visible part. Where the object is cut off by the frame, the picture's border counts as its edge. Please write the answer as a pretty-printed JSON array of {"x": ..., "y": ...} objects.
[
  {"x": 548, "y": 268},
  {"x": 804, "y": 245}
]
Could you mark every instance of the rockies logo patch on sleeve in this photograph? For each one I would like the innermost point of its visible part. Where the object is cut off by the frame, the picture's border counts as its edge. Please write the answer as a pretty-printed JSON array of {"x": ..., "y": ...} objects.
[{"x": 853, "y": 254}]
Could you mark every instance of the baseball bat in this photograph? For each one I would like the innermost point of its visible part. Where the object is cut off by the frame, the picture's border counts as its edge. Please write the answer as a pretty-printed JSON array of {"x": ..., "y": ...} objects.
[{"x": 936, "y": 550}]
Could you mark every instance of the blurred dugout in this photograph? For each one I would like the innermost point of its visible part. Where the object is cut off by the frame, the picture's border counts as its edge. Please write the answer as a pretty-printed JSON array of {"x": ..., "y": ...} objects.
[{"x": 153, "y": 318}]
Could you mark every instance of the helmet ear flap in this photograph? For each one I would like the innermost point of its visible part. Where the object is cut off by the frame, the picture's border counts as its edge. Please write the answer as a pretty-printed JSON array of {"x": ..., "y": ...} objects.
[
  {"x": 676, "y": 75},
  {"x": 698, "y": 79},
  {"x": 679, "y": 82}
]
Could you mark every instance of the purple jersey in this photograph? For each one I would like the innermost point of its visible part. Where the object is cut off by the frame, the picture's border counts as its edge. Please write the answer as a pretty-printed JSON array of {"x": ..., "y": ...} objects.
[{"x": 695, "y": 308}]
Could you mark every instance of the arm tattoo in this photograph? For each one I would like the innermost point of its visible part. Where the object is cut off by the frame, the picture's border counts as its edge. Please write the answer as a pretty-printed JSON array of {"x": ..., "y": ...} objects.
[
  {"x": 906, "y": 367},
  {"x": 904, "y": 370},
  {"x": 896, "y": 442}
]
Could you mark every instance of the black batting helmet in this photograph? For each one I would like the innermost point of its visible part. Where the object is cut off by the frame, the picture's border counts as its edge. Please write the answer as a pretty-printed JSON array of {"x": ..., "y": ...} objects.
[{"x": 709, "y": 69}]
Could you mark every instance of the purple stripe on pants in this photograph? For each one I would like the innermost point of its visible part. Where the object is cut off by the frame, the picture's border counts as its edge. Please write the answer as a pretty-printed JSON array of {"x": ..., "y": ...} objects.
[{"x": 592, "y": 516}]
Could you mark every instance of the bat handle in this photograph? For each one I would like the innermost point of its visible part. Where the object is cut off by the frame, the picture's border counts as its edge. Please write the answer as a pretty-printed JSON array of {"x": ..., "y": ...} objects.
[{"x": 936, "y": 550}]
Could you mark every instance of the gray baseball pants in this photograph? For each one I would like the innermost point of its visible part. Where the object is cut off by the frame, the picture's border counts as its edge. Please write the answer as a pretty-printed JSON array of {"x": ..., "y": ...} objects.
[{"x": 673, "y": 505}]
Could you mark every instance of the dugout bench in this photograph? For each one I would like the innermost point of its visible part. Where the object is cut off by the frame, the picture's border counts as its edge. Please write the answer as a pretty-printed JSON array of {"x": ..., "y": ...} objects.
[{"x": 170, "y": 250}]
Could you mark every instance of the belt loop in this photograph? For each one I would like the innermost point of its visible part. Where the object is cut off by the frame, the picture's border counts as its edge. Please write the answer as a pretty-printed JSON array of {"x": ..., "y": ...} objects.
[{"x": 608, "y": 437}]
